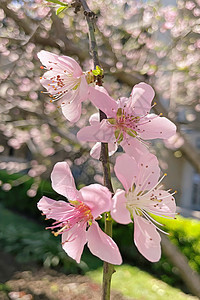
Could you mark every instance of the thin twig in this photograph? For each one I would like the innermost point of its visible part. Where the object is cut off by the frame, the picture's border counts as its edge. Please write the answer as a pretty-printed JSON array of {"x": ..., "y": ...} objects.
[{"x": 108, "y": 269}]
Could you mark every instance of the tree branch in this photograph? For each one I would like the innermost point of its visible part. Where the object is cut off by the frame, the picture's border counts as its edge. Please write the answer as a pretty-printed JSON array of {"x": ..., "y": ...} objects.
[{"x": 108, "y": 269}]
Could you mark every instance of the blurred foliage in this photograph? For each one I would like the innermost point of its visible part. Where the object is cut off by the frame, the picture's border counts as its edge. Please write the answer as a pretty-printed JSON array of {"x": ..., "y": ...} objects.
[
  {"x": 29, "y": 242},
  {"x": 137, "y": 284},
  {"x": 4, "y": 287},
  {"x": 17, "y": 198},
  {"x": 184, "y": 233}
]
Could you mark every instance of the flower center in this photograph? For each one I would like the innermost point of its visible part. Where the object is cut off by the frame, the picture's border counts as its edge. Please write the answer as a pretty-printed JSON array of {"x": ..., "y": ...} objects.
[
  {"x": 60, "y": 81},
  {"x": 124, "y": 124},
  {"x": 79, "y": 213},
  {"x": 146, "y": 202},
  {"x": 133, "y": 202},
  {"x": 139, "y": 201},
  {"x": 84, "y": 211}
]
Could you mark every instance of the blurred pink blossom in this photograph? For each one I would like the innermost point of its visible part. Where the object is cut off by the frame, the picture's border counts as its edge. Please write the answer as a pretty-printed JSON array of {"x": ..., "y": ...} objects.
[
  {"x": 190, "y": 5},
  {"x": 174, "y": 142}
]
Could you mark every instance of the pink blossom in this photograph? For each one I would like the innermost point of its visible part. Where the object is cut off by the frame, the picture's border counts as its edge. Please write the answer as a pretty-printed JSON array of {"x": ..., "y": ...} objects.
[
  {"x": 129, "y": 122},
  {"x": 65, "y": 82},
  {"x": 190, "y": 5},
  {"x": 96, "y": 149},
  {"x": 142, "y": 197},
  {"x": 75, "y": 220}
]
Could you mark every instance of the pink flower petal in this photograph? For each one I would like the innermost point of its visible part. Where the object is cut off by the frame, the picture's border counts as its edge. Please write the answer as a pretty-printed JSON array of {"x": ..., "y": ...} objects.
[
  {"x": 44, "y": 204},
  {"x": 112, "y": 148},
  {"x": 133, "y": 147},
  {"x": 102, "y": 246},
  {"x": 100, "y": 98},
  {"x": 63, "y": 181},
  {"x": 68, "y": 61},
  {"x": 148, "y": 172},
  {"x": 72, "y": 111},
  {"x": 167, "y": 206},
  {"x": 60, "y": 63},
  {"x": 46, "y": 82},
  {"x": 47, "y": 57},
  {"x": 126, "y": 170},
  {"x": 119, "y": 212},
  {"x": 97, "y": 198},
  {"x": 141, "y": 98},
  {"x": 102, "y": 132},
  {"x": 158, "y": 127},
  {"x": 124, "y": 102},
  {"x": 96, "y": 150},
  {"x": 73, "y": 241},
  {"x": 83, "y": 89},
  {"x": 56, "y": 210},
  {"x": 94, "y": 119},
  {"x": 147, "y": 239}
]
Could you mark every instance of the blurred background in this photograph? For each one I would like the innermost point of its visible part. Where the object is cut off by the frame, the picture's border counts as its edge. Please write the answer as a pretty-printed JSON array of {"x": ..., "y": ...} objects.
[{"x": 153, "y": 41}]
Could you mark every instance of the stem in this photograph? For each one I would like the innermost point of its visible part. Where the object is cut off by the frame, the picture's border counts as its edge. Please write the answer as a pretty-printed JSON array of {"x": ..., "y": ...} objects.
[{"x": 108, "y": 269}]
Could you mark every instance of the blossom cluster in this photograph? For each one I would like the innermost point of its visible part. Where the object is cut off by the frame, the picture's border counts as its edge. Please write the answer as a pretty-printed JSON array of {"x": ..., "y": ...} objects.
[{"x": 130, "y": 124}]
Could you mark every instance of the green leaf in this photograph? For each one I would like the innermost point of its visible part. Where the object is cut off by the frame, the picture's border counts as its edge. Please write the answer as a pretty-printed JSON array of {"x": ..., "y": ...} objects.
[
  {"x": 95, "y": 72},
  {"x": 98, "y": 71},
  {"x": 60, "y": 9},
  {"x": 58, "y": 2}
]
